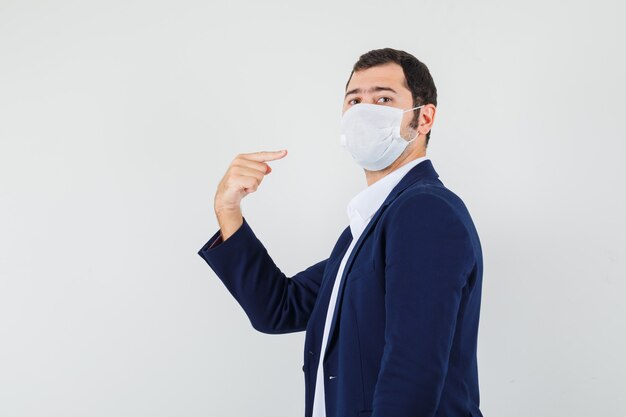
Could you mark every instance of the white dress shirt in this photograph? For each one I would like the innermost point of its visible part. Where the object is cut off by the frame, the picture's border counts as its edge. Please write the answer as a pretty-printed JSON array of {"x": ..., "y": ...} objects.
[{"x": 360, "y": 210}]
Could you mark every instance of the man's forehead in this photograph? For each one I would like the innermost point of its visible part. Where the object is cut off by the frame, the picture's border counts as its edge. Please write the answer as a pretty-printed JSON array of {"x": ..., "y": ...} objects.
[{"x": 371, "y": 79}]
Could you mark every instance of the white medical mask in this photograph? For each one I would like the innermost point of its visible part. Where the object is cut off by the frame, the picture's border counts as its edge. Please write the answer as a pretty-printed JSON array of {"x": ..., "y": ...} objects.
[{"x": 371, "y": 133}]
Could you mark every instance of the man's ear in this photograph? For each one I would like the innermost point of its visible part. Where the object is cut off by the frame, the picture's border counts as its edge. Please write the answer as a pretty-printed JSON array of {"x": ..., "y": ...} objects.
[{"x": 427, "y": 118}]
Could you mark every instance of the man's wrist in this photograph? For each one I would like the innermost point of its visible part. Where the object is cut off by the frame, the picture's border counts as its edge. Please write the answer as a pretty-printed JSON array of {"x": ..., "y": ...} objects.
[{"x": 229, "y": 221}]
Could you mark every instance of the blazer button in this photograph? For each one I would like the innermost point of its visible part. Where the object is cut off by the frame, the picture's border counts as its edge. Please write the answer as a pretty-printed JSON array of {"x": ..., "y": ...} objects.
[{"x": 302, "y": 368}]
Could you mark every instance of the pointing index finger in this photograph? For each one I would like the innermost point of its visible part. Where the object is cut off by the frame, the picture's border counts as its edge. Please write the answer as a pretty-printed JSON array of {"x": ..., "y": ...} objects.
[{"x": 263, "y": 156}]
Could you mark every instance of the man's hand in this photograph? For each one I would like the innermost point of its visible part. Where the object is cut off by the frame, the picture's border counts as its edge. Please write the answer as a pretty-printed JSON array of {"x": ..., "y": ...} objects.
[{"x": 243, "y": 176}]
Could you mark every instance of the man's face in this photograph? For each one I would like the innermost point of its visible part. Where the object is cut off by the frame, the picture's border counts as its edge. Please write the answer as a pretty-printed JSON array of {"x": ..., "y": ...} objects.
[{"x": 382, "y": 85}]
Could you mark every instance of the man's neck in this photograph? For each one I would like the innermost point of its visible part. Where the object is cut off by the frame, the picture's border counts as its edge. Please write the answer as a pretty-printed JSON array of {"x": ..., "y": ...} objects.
[{"x": 372, "y": 176}]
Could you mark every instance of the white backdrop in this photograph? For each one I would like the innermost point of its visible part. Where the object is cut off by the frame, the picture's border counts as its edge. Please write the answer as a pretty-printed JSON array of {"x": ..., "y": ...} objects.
[{"x": 119, "y": 118}]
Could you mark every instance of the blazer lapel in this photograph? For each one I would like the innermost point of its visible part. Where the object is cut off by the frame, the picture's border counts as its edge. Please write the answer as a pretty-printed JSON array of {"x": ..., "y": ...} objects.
[{"x": 421, "y": 171}]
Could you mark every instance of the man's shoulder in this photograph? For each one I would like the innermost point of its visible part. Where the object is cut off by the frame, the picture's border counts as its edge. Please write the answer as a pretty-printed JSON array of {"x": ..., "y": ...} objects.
[
  {"x": 432, "y": 202},
  {"x": 428, "y": 194},
  {"x": 427, "y": 200}
]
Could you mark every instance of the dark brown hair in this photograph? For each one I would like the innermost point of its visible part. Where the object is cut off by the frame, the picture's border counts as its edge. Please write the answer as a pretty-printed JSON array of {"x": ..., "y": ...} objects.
[{"x": 417, "y": 78}]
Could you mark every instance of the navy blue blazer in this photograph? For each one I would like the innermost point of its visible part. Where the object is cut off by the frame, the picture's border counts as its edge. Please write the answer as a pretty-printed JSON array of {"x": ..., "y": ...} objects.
[{"x": 403, "y": 339}]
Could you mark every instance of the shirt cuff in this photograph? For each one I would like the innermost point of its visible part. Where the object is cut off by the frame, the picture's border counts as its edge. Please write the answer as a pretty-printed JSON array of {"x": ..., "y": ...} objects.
[{"x": 216, "y": 241}]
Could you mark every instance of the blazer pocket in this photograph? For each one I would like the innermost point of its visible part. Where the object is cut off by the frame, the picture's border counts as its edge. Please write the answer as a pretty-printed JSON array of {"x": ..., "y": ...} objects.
[{"x": 366, "y": 413}]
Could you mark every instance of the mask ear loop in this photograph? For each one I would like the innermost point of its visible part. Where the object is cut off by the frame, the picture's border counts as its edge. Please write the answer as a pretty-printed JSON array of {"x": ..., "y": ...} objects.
[
  {"x": 414, "y": 108},
  {"x": 418, "y": 133}
]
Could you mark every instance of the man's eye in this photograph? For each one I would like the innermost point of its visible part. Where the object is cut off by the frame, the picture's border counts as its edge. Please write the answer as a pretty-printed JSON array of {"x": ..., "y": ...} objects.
[{"x": 356, "y": 99}]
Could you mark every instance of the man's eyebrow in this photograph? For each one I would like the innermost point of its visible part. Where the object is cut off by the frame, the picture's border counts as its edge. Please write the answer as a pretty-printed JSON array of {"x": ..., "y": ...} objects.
[{"x": 375, "y": 88}]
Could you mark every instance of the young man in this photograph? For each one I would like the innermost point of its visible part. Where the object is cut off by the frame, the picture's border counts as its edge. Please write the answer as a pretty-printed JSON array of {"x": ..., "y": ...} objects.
[{"x": 391, "y": 316}]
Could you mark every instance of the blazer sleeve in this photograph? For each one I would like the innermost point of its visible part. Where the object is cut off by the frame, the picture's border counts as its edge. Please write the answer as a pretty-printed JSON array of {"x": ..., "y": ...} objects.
[
  {"x": 428, "y": 257},
  {"x": 273, "y": 302}
]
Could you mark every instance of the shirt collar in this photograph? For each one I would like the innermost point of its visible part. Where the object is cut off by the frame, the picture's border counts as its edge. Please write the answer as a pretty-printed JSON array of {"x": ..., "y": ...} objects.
[{"x": 363, "y": 205}]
